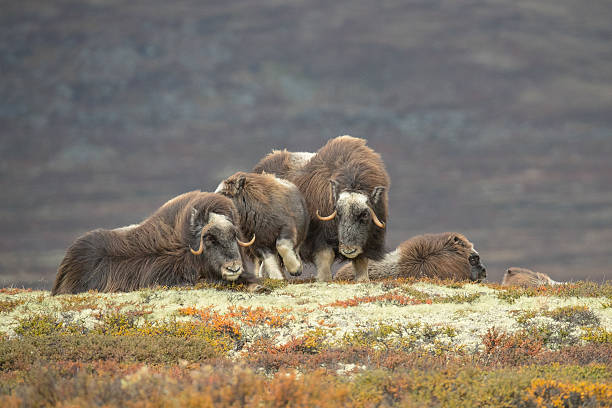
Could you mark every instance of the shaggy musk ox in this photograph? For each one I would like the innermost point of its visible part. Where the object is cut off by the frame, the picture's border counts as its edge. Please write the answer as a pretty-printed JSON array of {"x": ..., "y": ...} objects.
[
  {"x": 345, "y": 187},
  {"x": 525, "y": 277},
  {"x": 445, "y": 256},
  {"x": 273, "y": 212},
  {"x": 191, "y": 237}
]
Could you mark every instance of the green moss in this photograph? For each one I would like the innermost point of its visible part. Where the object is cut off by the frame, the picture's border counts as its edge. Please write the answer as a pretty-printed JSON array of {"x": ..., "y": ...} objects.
[
  {"x": 39, "y": 325},
  {"x": 597, "y": 335},
  {"x": 405, "y": 337},
  {"x": 574, "y": 315},
  {"x": 273, "y": 284}
]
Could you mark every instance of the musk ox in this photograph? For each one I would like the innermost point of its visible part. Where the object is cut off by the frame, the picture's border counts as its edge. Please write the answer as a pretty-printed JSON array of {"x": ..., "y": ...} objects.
[
  {"x": 445, "y": 256},
  {"x": 273, "y": 212},
  {"x": 190, "y": 238},
  {"x": 345, "y": 187},
  {"x": 524, "y": 277}
]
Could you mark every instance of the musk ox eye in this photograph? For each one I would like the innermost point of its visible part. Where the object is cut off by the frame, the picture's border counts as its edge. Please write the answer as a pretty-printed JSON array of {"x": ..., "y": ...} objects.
[
  {"x": 364, "y": 216},
  {"x": 474, "y": 260}
]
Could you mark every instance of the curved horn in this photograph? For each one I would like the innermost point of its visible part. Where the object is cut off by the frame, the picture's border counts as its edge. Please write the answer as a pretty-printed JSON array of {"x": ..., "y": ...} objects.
[
  {"x": 329, "y": 217},
  {"x": 246, "y": 244},
  {"x": 375, "y": 219},
  {"x": 201, "y": 249}
]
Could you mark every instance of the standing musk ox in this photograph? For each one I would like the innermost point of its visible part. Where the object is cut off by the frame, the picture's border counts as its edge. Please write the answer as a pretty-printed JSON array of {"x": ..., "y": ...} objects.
[
  {"x": 191, "y": 237},
  {"x": 524, "y": 277},
  {"x": 345, "y": 187},
  {"x": 273, "y": 212},
  {"x": 444, "y": 256}
]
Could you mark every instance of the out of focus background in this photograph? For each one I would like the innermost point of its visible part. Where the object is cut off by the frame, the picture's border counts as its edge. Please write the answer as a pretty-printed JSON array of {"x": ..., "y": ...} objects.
[{"x": 494, "y": 117}]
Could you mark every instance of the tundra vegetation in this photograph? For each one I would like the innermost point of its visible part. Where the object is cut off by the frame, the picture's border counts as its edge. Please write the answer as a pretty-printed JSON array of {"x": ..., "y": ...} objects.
[{"x": 397, "y": 342}]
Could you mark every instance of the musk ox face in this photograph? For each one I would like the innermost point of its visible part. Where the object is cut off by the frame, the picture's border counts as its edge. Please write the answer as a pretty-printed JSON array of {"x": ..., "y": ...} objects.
[
  {"x": 477, "y": 270},
  {"x": 355, "y": 218},
  {"x": 215, "y": 243}
]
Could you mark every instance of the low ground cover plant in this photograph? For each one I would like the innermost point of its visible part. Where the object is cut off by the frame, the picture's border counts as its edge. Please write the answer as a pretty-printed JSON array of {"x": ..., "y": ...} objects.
[{"x": 397, "y": 343}]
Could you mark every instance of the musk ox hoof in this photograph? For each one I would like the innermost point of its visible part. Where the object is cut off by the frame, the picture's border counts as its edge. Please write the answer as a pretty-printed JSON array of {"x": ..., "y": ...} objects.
[
  {"x": 297, "y": 272},
  {"x": 257, "y": 288}
]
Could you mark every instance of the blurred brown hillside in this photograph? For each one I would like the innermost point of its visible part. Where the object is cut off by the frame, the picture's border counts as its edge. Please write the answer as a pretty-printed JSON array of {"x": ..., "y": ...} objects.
[{"x": 494, "y": 117}]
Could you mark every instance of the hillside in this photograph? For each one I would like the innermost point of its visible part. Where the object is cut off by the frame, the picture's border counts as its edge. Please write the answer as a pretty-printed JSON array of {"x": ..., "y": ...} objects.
[
  {"x": 392, "y": 343},
  {"x": 493, "y": 117}
]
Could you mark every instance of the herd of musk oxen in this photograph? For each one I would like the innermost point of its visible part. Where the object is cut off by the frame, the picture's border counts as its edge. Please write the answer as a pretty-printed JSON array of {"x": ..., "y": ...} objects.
[{"x": 292, "y": 208}]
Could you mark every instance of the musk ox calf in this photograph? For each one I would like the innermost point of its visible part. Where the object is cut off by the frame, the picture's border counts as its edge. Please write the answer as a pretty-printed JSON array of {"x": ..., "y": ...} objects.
[
  {"x": 524, "y": 277},
  {"x": 445, "y": 256},
  {"x": 273, "y": 212},
  {"x": 345, "y": 187},
  {"x": 190, "y": 238}
]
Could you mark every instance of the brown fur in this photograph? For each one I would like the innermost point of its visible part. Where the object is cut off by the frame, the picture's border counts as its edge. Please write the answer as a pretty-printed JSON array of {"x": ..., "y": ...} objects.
[
  {"x": 155, "y": 252},
  {"x": 279, "y": 162},
  {"x": 355, "y": 167},
  {"x": 442, "y": 256},
  {"x": 524, "y": 277},
  {"x": 268, "y": 209}
]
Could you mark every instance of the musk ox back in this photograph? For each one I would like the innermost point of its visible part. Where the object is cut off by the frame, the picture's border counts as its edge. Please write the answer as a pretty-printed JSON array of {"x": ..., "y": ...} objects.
[
  {"x": 273, "y": 212},
  {"x": 447, "y": 255},
  {"x": 345, "y": 187},
  {"x": 524, "y": 277},
  {"x": 191, "y": 237},
  {"x": 283, "y": 163}
]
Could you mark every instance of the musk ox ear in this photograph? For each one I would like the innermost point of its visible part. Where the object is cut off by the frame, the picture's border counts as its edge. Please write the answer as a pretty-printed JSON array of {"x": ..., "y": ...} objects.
[
  {"x": 240, "y": 183},
  {"x": 334, "y": 190},
  {"x": 377, "y": 194},
  {"x": 456, "y": 239}
]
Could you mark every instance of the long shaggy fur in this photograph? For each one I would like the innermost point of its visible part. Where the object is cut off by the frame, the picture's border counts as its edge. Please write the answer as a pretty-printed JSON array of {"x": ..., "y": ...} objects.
[
  {"x": 442, "y": 256},
  {"x": 268, "y": 208},
  {"x": 282, "y": 163},
  {"x": 524, "y": 277},
  {"x": 356, "y": 168},
  {"x": 155, "y": 252}
]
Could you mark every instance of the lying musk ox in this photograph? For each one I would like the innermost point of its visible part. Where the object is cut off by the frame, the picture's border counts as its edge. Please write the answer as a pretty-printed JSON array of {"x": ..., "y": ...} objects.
[
  {"x": 525, "y": 277},
  {"x": 191, "y": 237},
  {"x": 345, "y": 187},
  {"x": 273, "y": 212},
  {"x": 445, "y": 256}
]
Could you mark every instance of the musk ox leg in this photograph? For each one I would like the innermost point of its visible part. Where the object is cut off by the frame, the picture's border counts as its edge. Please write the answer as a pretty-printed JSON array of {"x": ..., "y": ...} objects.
[
  {"x": 258, "y": 267},
  {"x": 361, "y": 269},
  {"x": 290, "y": 258},
  {"x": 323, "y": 260},
  {"x": 271, "y": 268}
]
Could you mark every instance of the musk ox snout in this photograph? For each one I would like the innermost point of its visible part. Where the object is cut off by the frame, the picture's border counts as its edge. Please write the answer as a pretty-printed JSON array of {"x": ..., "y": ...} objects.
[
  {"x": 350, "y": 251},
  {"x": 232, "y": 270}
]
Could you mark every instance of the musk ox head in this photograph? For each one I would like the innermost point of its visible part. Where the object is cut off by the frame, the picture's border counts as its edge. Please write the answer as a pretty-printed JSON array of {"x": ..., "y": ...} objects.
[
  {"x": 464, "y": 247},
  {"x": 214, "y": 241},
  {"x": 477, "y": 270},
  {"x": 232, "y": 186},
  {"x": 355, "y": 217},
  {"x": 526, "y": 277}
]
